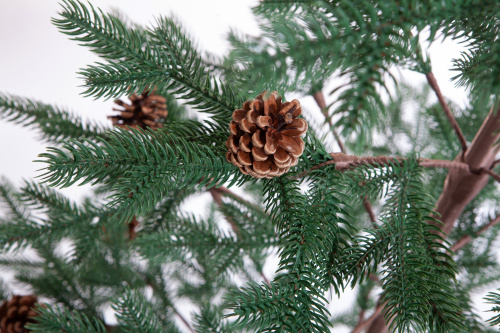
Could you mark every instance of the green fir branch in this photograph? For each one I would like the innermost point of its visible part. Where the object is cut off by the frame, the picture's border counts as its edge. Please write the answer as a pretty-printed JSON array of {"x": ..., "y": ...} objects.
[
  {"x": 53, "y": 216},
  {"x": 166, "y": 60},
  {"x": 14, "y": 209},
  {"x": 493, "y": 298},
  {"x": 56, "y": 320},
  {"x": 136, "y": 314},
  {"x": 209, "y": 320},
  {"x": 145, "y": 165},
  {"x": 55, "y": 123},
  {"x": 189, "y": 235},
  {"x": 308, "y": 246},
  {"x": 417, "y": 270}
]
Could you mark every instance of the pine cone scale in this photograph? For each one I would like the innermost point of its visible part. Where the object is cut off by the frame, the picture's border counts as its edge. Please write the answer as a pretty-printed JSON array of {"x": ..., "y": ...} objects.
[
  {"x": 258, "y": 139},
  {"x": 259, "y": 154}
]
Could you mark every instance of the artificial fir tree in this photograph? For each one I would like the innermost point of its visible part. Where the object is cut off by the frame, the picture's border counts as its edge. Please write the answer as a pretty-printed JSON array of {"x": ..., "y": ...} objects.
[{"x": 404, "y": 225}]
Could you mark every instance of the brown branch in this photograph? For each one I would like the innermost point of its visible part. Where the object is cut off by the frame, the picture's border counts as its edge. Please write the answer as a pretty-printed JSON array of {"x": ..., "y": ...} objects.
[
  {"x": 181, "y": 317},
  {"x": 465, "y": 239},
  {"x": 345, "y": 162},
  {"x": 227, "y": 192},
  {"x": 493, "y": 175},
  {"x": 378, "y": 325},
  {"x": 320, "y": 100},
  {"x": 360, "y": 326},
  {"x": 446, "y": 164},
  {"x": 153, "y": 284},
  {"x": 218, "y": 200},
  {"x": 265, "y": 278},
  {"x": 434, "y": 85},
  {"x": 217, "y": 196},
  {"x": 461, "y": 186},
  {"x": 369, "y": 210}
]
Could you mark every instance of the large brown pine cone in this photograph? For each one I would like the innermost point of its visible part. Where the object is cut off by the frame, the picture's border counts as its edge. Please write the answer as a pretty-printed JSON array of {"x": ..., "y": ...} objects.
[
  {"x": 17, "y": 312},
  {"x": 145, "y": 111},
  {"x": 265, "y": 136}
]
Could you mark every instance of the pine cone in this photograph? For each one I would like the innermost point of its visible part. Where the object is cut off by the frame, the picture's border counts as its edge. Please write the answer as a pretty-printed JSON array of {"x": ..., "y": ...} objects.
[
  {"x": 265, "y": 136},
  {"x": 17, "y": 312},
  {"x": 145, "y": 110}
]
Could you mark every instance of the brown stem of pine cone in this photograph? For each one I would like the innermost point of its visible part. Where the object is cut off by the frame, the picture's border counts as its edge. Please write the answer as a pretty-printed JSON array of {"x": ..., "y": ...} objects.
[
  {"x": 110, "y": 328},
  {"x": 464, "y": 240},
  {"x": 320, "y": 100},
  {"x": 434, "y": 85}
]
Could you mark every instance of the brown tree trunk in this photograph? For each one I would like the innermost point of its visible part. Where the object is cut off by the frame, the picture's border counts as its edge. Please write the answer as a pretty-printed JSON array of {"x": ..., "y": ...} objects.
[
  {"x": 461, "y": 186},
  {"x": 378, "y": 325}
]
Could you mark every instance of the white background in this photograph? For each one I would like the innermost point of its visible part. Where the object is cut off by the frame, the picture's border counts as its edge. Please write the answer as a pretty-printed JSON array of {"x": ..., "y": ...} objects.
[{"x": 39, "y": 62}]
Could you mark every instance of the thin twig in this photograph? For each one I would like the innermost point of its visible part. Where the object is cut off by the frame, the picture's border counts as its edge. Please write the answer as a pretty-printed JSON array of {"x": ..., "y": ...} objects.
[
  {"x": 265, "y": 278},
  {"x": 345, "y": 162},
  {"x": 181, "y": 317},
  {"x": 359, "y": 327},
  {"x": 319, "y": 97},
  {"x": 320, "y": 100},
  {"x": 227, "y": 192},
  {"x": 464, "y": 240},
  {"x": 375, "y": 279},
  {"x": 493, "y": 175},
  {"x": 217, "y": 196},
  {"x": 218, "y": 200},
  {"x": 155, "y": 286},
  {"x": 434, "y": 85},
  {"x": 369, "y": 210}
]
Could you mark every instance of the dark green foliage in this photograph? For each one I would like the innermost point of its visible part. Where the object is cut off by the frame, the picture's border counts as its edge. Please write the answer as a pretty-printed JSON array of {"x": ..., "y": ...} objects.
[
  {"x": 413, "y": 260},
  {"x": 146, "y": 165},
  {"x": 163, "y": 57},
  {"x": 55, "y": 320},
  {"x": 209, "y": 320},
  {"x": 132, "y": 245},
  {"x": 20, "y": 226},
  {"x": 493, "y": 298},
  {"x": 136, "y": 314},
  {"x": 302, "y": 45},
  {"x": 416, "y": 261},
  {"x": 308, "y": 249}
]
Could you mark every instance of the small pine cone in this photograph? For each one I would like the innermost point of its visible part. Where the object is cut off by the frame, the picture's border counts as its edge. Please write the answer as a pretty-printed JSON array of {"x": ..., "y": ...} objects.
[
  {"x": 17, "y": 312},
  {"x": 265, "y": 136},
  {"x": 145, "y": 111}
]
